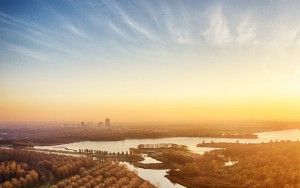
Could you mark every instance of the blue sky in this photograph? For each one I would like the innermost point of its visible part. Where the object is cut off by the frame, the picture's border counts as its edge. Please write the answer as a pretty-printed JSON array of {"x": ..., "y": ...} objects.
[
  {"x": 114, "y": 29},
  {"x": 147, "y": 50}
]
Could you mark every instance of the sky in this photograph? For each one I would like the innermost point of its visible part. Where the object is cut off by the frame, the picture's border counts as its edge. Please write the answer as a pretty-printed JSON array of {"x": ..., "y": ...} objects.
[{"x": 149, "y": 60}]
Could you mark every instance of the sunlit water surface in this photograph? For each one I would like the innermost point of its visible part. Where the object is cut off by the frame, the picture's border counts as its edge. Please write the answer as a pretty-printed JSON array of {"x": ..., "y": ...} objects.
[{"x": 148, "y": 160}]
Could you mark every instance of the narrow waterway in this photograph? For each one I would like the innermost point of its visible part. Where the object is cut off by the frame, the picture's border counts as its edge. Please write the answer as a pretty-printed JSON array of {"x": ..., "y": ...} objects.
[{"x": 156, "y": 177}]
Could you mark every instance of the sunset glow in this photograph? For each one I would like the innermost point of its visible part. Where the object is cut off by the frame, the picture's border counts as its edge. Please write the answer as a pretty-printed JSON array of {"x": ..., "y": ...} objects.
[{"x": 149, "y": 60}]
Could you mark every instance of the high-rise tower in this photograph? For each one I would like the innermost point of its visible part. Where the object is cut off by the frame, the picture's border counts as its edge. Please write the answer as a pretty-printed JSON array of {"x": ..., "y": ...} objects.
[{"x": 107, "y": 122}]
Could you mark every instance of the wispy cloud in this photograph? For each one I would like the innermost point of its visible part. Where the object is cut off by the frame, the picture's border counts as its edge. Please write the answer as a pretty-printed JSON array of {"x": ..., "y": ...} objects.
[
  {"x": 218, "y": 32},
  {"x": 164, "y": 24},
  {"x": 285, "y": 36},
  {"x": 246, "y": 32},
  {"x": 34, "y": 33},
  {"x": 117, "y": 30},
  {"x": 21, "y": 23},
  {"x": 41, "y": 40},
  {"x": 66, "y": 23},
  {"x": 75, "y": 30},
  {"x": 179, "y": 26},
  {"x": 33, "y": 54},
  {"x": 131, "y": 23}
]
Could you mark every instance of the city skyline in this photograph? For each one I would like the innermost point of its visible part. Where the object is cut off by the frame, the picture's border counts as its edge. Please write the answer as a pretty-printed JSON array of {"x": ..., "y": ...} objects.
[{"x": 149, "y": 60}]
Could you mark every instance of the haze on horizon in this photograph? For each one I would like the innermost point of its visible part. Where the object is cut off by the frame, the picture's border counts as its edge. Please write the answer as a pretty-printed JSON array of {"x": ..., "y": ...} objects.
[{"x": 149, "y": 60}]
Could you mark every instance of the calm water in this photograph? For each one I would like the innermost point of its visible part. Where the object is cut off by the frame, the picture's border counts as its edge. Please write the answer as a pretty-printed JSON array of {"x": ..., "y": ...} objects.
[
  {"x": 156, "y": 177},
  {"x": 191, "y": 142},
  {"x": 148, "y": 160}
]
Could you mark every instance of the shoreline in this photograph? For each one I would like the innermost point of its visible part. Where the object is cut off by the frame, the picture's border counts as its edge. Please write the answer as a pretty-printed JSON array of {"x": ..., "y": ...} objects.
[
  {"x": 27, "y": 143},
  {"x": 12, "y": 142}
]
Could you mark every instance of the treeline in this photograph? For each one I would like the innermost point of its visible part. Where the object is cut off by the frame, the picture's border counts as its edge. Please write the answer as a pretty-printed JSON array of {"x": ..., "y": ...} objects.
[
  {"x": 101, "y": 152},
  {"x": 273, "y": 165},
  {"x": 213, "y": 144},
  {"x": 171, "y": 157},
  {"x": 101, "y": 155},
  {"x": 13, "y": 174},
  {"x": 24, "y": 169},
  {"x": 22, "y": 137},
  {"x": 103, "y": 175}
]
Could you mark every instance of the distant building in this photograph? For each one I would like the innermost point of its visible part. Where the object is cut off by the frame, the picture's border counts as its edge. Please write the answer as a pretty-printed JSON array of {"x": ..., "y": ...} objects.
[
  {"x": 107, "y": 122},
  {"x": 90, "y": 123},
  {"x": 100, "y": 123},
  {"x": 83, "y": 124}
]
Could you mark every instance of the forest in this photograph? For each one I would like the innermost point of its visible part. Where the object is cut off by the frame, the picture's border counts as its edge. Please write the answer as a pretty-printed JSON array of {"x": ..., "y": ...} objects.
[
  {"x": 24, "y": 169},
  {"x": 274, "y": 164}
]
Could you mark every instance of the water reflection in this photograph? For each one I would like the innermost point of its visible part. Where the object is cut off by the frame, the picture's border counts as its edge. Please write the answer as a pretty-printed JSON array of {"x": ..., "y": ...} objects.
[
  {"x": 191, "y": 142},
  {"x": 156, "y": 177},
  {"x": 230, "y": 163},
  {"x": 148, "y": 160}
]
